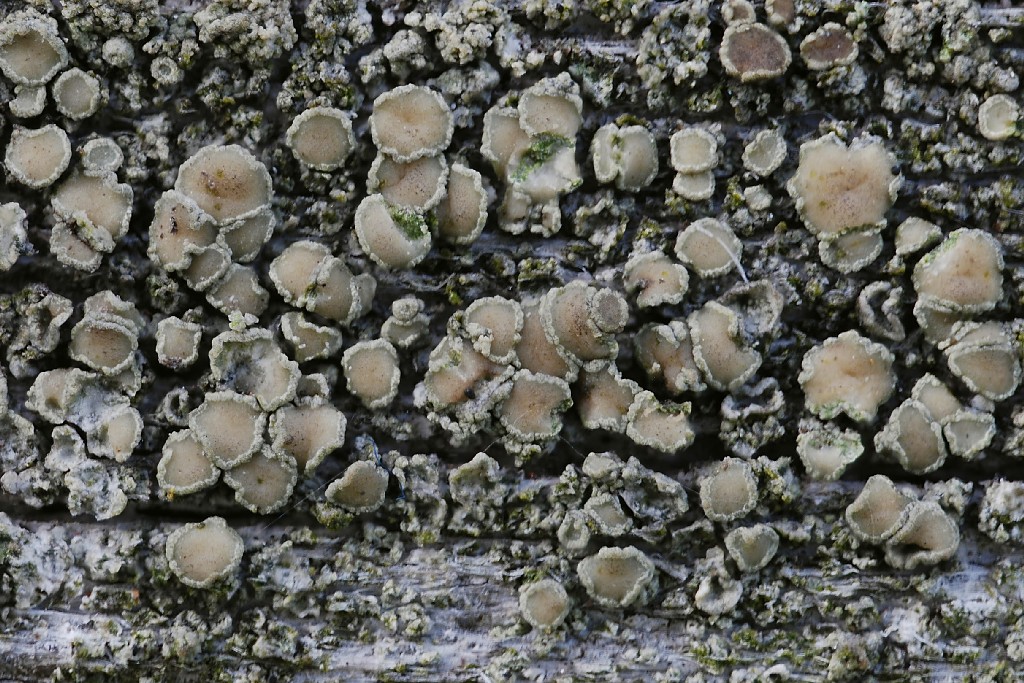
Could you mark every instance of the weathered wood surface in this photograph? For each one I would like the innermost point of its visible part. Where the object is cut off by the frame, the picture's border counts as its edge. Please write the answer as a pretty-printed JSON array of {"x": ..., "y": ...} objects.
[{"x": 344, "y": 609}]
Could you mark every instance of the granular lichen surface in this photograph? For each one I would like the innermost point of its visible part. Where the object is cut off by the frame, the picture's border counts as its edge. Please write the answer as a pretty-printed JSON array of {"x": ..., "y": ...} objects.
[{"x": 552, "y": 340}]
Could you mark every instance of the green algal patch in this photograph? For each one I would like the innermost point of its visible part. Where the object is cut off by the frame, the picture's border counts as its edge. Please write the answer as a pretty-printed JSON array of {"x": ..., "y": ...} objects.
[
  {"x": 534, "y": 269},
  {"x": 543, "y": 148},
  {"x": 410, "y": 222}
]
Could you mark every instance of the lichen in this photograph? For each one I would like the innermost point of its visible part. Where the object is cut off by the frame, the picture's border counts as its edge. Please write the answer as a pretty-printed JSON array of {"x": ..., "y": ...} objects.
[{"x": 458, "y": 386}]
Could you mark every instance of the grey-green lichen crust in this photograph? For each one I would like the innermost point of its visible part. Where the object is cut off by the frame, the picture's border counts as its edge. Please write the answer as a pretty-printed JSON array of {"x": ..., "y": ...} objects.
[{"x": 362, "y": 340}]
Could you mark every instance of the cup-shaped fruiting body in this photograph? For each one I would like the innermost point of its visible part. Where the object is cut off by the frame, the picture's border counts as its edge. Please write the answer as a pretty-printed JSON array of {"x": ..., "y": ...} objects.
[
  {"x": 410, "y": 122},
  {"x": 628, "y": 155},
  {"x": 393, "y": 237},
  {"x": 851, "y": 251},
  {"x": 103, "y": 343},
  {"x": 98, "y": 207},
  {"x": 37, "y": 157},
  {"x": 544, "y": 604},
  {"x": 997, "y": 117},
  {"x": 13, "y": 235},
  {"x": 718, "y": 348},
  {"x": 878, "y": 511},
  {"x": 759, "y": 305},
  {"x": 504, "y": 141},
  {"x": 605, "y": 511},
  {"x": 264, "y": 482},
  {"x": 206, "y": 267},
  {"x": 826, "y": 451},
  {"x": 603, "y": 397},
  {"x": 177, "y": 342},
  {"x": 462, "y": 213},
  {"x": 239, "y": 290},
  {"x": 178, "y": 226},
  {"x": 305, "y": 274},
  {"x": 618, "y": 577},
  {"x": 243, "y": 238},
  {"x": 609, "y": 311},
  {"x": 229, "y": 426},
  {"x": 203, "y": 553},
  {"x": 28, "y": 101},
  {"x": 880, "y": 310},
  {"x": 494, "y": 324},
  {"x": 574, "y": 532},
  {"x": 51, "y": 393},
  {"x": 935, "y": 397},
  {"x": 913, "y": 437},
  {"x": 694, "y": 186},
  {"x": 307, "y": 432},
  {"x": 418, "y": 184},
  {"x": 765, "y": 152},
  {"x": 41, "y": 324},
  {"x": 250, "y": 362},
  {"x": 847, "y": 374},
  {"x": 338, "y": 294},
  {"x": 914, "y": 234},
  {"x": 184, "y": 467},
  {"x": 730, "y": 492},
  {"x": 829, "y": 46},
  {"x": 361, "y": 489},
  {"x": 985, "y": 358},
  {"x": 116, "y": 435},
  {"x": 71, "y": 250},
  {"x": 717, "y": 593},
  {"x": 101, "y": 155},
  {"x": 165, "y": 71},
  {"x": 753, "y": 52},
  {"x": 709, "y": 246},
  {"x": 308, "y": 340},
  {"x": 753, "y": 547},
  {"x": 838, "y": 188},
  {"x": 321, "y": 138},
  {"x": 536, "y": 352},
  {"x": 552, "y": 106},
  {"x": 31, "y": 50},
  {"x": 782, "y": 13},
  {"x": 372, "y": 373},
  {"x": 738, "y": 11},
  {"x": 77, "y": 94},
  {"x": 977, "y": 335},
  {"x": 964, "y": 274},
  {"x": 118, "y": 51},
  {"x": 226, "y": 181},
  {"x": 693, "y": 150},
  {"x": 407, "y": 323},
  {"x": 662, "y": 426},
  {"x": 929, "y": 536},
  {"x": 665, "y": 352},
  {"x": 294, "y": 271},
  {"x": 534, "y": 406},
  {"x": 455, "y": 370},
  {"x": 313, "y": 386},
  {"x": 969, "y": 432},
  {"x": 656, "y": 278},
  {"x": 936, "y": 323},
  {"x": 582, "y": 322},
  {"x": 546, "y": 170}
]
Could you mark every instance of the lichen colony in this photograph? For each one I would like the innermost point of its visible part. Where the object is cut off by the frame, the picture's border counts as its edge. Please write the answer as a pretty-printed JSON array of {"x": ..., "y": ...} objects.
[{"x": 665, "y": 316}]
